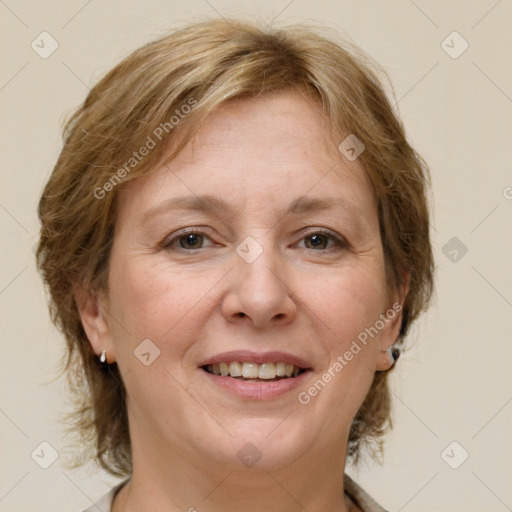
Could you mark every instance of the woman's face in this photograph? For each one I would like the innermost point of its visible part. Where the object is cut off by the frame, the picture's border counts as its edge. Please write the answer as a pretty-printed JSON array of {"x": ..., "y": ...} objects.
[{"x": 281, "y": 262}]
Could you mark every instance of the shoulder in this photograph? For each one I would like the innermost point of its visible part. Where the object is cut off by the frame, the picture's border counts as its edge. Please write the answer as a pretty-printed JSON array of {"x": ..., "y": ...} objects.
[
  {"x": 105, "y": 502},
  {"x": 365, "y": 502}
]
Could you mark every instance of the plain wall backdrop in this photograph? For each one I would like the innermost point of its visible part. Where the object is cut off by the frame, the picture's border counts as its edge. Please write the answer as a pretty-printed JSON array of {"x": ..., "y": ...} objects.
[{"x": 452, "y": 385}]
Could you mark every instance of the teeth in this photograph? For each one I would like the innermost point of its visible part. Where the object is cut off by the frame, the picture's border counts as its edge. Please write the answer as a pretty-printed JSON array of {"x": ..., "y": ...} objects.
[
  {"x": 235, "y": 369},
  {"x": 224, "y": 369},
  {"x": 267, "y": 371},
  {"x": 248, "y": 370}
]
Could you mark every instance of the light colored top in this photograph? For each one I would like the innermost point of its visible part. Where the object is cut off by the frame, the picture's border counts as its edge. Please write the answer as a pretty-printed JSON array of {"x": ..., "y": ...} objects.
[{"x": 358, "y": 496}]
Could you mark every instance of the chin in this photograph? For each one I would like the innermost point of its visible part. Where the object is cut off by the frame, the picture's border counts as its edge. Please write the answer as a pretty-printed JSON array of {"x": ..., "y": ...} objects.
[{"x": 262, "y": 443}]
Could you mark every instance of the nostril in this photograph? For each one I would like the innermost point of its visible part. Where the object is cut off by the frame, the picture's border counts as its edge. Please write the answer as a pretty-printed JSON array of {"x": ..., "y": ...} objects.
[{"x": 241, "y": 315}]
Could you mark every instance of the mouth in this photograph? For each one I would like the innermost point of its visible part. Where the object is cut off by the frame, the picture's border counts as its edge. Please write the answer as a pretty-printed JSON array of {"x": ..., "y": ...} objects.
[
  {"x": 255, "y": 372},
  {"x": 256, "y": 375}
]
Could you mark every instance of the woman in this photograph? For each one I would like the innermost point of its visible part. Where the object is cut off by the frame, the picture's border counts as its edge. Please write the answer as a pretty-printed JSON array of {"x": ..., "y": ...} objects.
[{"x": 235, "y": 239}]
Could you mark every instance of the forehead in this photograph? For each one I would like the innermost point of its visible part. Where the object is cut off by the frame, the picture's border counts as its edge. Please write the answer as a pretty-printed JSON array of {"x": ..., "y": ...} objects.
[
  {"x": 258, "y": 152},
  {"x": 279, "y": 126}
]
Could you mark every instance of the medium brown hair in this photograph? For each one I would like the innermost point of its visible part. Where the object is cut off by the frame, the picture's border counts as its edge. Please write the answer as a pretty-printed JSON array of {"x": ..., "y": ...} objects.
[{"x": 203, "y": 65}]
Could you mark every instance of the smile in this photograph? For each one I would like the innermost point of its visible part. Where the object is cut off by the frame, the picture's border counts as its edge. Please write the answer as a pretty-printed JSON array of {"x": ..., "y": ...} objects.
[
  {"x": 257, "y": 376},
  {"x": 254, "y": 371}
]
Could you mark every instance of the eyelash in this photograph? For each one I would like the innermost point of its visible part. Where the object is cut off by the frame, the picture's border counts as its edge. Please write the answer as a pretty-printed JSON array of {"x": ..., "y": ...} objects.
[{"x": 168, "y": 243}]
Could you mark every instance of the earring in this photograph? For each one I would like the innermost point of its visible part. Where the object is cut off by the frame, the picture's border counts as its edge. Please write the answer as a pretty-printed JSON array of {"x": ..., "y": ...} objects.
[
  {"x": 394, "y": 354},
  {"x": 103, "y": 357}
]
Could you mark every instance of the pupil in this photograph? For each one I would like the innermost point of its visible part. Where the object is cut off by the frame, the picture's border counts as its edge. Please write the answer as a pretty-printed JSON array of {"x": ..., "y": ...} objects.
[
  {"x": 316, "y": 240},
  {"x": 191, "y": 240}
]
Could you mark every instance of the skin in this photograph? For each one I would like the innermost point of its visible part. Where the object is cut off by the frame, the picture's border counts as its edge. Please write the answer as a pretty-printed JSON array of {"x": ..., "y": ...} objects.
[{"x": 258, "y": 155}]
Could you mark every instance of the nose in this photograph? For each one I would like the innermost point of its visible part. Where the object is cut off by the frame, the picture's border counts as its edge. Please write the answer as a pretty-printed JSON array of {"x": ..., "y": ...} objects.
[{"x": 259, "y": 293}]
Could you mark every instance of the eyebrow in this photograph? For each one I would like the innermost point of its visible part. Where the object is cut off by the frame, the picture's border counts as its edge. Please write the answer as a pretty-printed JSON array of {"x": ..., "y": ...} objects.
[{"x": 217, "y": 206}]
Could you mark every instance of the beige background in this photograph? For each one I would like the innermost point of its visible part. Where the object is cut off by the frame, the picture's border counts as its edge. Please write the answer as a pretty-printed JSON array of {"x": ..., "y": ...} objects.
[{"x": 453, "y": 384}]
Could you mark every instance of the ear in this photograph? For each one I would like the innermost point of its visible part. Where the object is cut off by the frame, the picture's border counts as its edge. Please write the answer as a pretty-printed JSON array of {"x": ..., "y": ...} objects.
[
  {"x": 91, "y": 306},
  {"x": 392, "y": 320}
]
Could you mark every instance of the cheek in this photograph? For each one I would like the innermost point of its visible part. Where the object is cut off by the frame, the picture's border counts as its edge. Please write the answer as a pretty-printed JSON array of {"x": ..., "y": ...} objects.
[
  {"x": 350, "y": 305},
  {"x": 349, "y": 302},
  {"x": 166, "y": 304},
  {"x": 155, "y": 301}
]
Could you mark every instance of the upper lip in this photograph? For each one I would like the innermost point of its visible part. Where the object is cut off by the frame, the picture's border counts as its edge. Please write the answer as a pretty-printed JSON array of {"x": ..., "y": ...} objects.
[{"x": 256, "y": 357}]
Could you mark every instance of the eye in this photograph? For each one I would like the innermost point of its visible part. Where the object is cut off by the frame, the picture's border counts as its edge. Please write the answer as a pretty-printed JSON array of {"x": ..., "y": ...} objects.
[
  {"x": 320, "y": 239},
  {"x": 185, "y": 240},
  {"x": 192, "y": 239}
]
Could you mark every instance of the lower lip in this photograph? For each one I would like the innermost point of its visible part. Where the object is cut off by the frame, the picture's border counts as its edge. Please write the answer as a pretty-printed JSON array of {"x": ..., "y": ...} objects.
[{"x": 257, "y": 390}]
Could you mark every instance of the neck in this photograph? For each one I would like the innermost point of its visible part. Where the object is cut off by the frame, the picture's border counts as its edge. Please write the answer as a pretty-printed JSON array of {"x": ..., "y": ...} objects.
[{"x": 166, "y": 480}]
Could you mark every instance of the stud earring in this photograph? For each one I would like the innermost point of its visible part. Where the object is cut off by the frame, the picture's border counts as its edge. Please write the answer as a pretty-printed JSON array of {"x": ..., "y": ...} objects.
[
  {"x": 103, "y": 357},
  {"x": 394, "y": 354}
]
